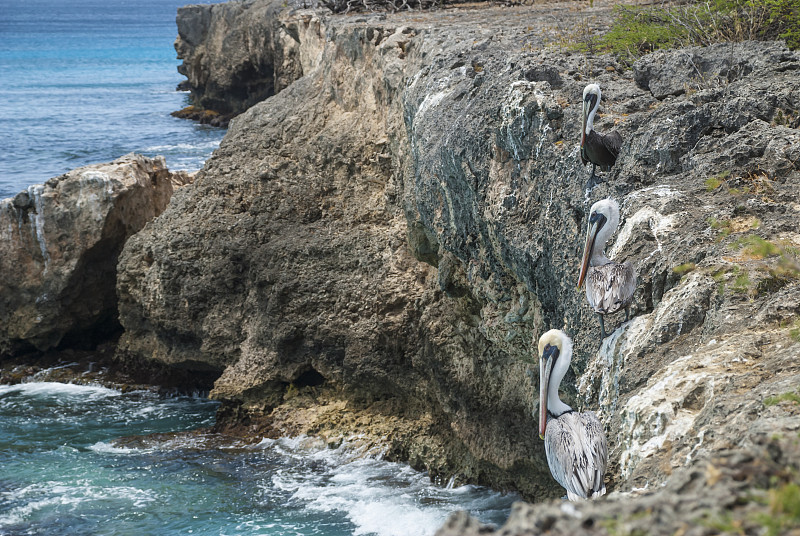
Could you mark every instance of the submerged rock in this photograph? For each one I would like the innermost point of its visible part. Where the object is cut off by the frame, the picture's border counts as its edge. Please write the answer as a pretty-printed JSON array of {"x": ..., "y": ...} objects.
[
  {"x": 59, "y": 244},
  {"x": 394, "y": 230}
]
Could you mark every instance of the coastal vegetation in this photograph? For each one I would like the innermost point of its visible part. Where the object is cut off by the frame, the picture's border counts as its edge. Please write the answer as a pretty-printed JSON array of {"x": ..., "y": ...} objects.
[
  {"x": 637, "y": 30},
  {"x": 783, "y": 397},
  {"x": 685, "y": 268}
]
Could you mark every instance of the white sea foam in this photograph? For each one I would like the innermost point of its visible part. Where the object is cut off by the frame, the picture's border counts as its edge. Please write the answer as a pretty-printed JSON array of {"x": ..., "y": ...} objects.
[
  {"x": 394, "y": 518},
  {"x": 183, "y": 147},
  {"x": 20, "y": 513},
  {"x": 376, "y": 496},
  {"x": 103, "y": 447},
  {"x": 58, "y": 496},
  {"x": 90, "y": 392}
]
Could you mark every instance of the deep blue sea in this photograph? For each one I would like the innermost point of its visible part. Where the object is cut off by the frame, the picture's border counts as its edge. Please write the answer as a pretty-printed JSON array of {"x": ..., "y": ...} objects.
[{"x": 87, "y": 81}]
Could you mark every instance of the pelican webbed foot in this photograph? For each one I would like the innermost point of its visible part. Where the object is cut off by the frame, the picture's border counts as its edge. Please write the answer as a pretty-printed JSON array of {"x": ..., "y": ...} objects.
[{"x": 594, "y": 179}]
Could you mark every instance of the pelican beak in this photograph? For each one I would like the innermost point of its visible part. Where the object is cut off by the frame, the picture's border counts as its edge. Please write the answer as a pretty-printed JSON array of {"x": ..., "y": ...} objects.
[
  {"x": 596, "y": 223},
  {"x": 549, "y": 356},
  {"x": 588, "y": 104},
  {"x": 586, "y": 109}
]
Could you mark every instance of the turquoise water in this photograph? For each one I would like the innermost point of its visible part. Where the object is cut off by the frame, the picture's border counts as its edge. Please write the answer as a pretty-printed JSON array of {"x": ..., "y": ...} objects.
[
  {"x": 61, "y": 473},
  {"x": 87, "y": 81}
]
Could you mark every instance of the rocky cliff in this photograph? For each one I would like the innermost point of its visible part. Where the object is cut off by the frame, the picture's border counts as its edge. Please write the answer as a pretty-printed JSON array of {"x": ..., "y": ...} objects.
[
  {"x": 376, "y": 248},
  {"x": 237, "y": 54},
  {"x": 59, "y": 244}
]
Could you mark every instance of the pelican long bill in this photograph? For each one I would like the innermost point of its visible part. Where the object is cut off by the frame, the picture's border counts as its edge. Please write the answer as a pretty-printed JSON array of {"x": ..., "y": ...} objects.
[
  {"x": 610, "y": 285},
  {"x": 600, "y": 150},
  {"x": 545, "y": 368},
  {"x": 591, "y": 236},
  {"x": 574, "y": 442},
  {"x": 583, "y": 127},
  {"x": 588, "y": 103}
]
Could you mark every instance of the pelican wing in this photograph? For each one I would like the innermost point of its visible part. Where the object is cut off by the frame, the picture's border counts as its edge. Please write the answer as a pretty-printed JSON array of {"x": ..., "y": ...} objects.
[
  {"x": 596, "y": 437},
  {"x": 601, "y": 149},
  {"x": 576, "y": 450},
  {"x": 613, "y": 142},
  {"x": 610, "y": 287}
]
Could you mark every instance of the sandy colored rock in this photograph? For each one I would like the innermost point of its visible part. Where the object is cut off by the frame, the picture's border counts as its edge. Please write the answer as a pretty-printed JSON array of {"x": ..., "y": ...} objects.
[
  {"x": 59, "y": 244},
  {"x": 239, "y": 53},
  {"x": 397, "y": 226}
]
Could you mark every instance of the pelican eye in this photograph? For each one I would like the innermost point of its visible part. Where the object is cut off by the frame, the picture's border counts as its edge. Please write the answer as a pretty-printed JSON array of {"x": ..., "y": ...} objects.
[{"x": 598, "y": 217}]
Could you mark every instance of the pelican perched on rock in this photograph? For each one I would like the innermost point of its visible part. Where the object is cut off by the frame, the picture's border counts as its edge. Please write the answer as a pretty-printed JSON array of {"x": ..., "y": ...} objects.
[
  {"x": 609, "y": 285},
  {"x": 575, "y": 443},
  {"x": 596, "y": 149}
]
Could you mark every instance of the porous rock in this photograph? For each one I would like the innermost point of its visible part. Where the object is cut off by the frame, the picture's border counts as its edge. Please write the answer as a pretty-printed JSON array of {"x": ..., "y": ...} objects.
[
  {"x": 669, "y": 73},
  {"x": 238, "y": 53},
  {"x": 59, "y": 244},
  {"x": 396, "y": 228}
]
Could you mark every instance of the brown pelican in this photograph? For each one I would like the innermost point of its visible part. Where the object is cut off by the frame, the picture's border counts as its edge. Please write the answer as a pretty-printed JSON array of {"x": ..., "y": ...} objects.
[
  {"x": 575, "y": 443},
  {"x": 609, "y": 285},
  {"x": 597, "y": 149}
]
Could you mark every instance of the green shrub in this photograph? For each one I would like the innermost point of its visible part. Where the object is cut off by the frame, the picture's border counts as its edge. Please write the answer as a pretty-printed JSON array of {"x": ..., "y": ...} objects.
[
  {"x": 685, "y": 268},
  {"x": 637, "y": 30},
  {"x": 783, "y": 397}
]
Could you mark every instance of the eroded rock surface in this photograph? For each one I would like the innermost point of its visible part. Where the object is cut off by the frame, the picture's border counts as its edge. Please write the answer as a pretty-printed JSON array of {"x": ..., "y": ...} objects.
[
  {"x": 389, "y": 235},
  {"x": 59, "y": 244},
  {"x": 733, "y": 492},
  {"x": 239, "y": 53}
]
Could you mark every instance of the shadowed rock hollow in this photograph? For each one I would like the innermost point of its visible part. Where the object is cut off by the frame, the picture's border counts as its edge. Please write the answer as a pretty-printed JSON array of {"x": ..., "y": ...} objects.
[
  {"x": 59, "y": 244},
  {"x": 376, "y": 248}
]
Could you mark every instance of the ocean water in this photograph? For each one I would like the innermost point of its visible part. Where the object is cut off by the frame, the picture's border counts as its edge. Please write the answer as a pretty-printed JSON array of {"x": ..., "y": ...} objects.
[
  {"x": 61, "y": 473},
  {"x": 87, "y": 81}
]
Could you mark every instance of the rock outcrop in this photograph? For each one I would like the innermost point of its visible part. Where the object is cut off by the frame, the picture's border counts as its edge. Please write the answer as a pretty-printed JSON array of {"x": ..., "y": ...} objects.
[
  {"x": 59, "y": 244},
  {"x": 736, "y": 491},
  {"x": 239, "y": 53},
  {"x": 389, "y": 234}
]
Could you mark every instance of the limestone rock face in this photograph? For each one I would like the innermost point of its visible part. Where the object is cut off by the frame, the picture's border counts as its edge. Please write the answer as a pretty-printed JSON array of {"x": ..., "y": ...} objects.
[
  {"x": 59, "y": 244},
  {"x": 725, "y": 494},
  {"x": 666, "y": 73},
  {"x": 239, "y": 53},
  {"x": 395, "y": 229}
]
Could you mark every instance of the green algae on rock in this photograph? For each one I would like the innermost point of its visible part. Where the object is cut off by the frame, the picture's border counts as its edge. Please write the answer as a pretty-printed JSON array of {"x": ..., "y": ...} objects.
[{"x": 396, "y": 226}]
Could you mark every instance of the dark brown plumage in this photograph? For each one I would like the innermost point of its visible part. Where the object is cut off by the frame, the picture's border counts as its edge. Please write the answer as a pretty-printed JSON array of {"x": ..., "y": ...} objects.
[{"x": 600, "y": 150}]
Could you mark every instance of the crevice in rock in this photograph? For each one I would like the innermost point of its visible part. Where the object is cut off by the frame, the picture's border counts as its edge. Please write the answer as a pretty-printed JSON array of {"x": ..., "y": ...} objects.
[{"x": 309, "y": 378}]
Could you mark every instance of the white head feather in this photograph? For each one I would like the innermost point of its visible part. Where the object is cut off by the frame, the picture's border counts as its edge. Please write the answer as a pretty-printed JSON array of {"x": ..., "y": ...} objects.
[
  {"x": 610, "y": 209},
  {"x": 589, "y": 90}
]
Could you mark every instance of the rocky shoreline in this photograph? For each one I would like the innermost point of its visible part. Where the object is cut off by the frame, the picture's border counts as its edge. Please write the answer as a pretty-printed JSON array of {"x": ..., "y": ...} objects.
[
  {"x": 59, "y": 244},
  {"x": 397, "y": 213}
]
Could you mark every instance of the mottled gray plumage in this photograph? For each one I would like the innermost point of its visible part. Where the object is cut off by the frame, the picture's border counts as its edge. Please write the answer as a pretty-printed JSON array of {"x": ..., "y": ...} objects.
[
  {"x": 575, "y": 443},
  {"x": 610, "y": 287},
  {"x": 576, "y": 449}
]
